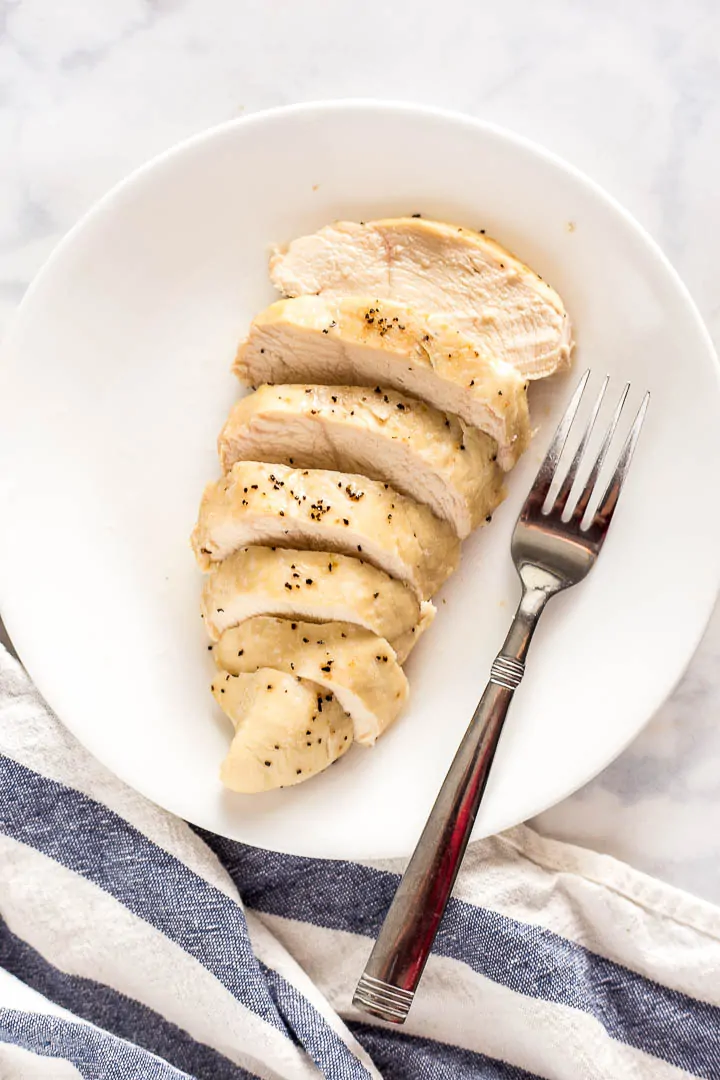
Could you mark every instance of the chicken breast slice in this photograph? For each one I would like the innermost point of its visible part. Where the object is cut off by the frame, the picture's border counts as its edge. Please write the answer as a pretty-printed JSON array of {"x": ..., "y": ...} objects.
[
  {"x": 425, "y": 454},
  {"x": 355, "y": 665},
  {"x": 364, "y": 342},
  {"x": 405, "y": 644},
  {"x": 273, "y": 505},
  {"x": 316, "y": 586},
  {"x": 507, "y": 310},
  {"x": 281, "y": 736}
]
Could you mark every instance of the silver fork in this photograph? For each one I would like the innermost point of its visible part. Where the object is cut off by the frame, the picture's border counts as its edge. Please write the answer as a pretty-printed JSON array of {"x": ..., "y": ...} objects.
[{"x": 553, "y": 548}]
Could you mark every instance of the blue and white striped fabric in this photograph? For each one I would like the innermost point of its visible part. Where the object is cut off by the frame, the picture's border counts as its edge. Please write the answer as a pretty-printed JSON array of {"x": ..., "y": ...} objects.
[{"x": 134, "y": 946}]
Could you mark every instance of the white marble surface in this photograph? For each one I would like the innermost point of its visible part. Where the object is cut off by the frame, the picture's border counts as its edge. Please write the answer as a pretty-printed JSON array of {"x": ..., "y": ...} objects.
[{"x": 628, "y": 92}]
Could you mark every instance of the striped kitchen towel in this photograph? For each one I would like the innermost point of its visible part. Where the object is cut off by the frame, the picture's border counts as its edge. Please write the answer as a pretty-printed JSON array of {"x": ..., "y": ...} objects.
[{"x": 132, "y": 945}]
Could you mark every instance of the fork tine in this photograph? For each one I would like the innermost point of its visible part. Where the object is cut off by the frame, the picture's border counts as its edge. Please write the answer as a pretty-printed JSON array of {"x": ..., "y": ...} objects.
[
  {"x": 587, "y": 492},
  {"x": 547, "y": 470},
  {"x": 606, "y": 509},
  {"x": 566, "y": 487}
]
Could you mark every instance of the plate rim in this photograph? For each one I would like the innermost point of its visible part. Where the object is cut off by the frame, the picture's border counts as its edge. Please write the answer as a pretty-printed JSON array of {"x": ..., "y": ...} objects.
[{"x": 458, "y": 118}]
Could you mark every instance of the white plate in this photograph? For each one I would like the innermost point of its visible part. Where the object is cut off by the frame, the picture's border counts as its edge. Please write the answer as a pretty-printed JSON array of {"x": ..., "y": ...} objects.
[{"x": 117, "y": 382}]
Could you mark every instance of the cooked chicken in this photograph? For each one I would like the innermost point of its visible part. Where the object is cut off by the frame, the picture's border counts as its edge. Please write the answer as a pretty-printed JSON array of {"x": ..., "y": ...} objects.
[
  {"x": 325, "y": 511},
  {"x": 402, "y": 353},
  {"x": 312, "y": 585},
  {"x": 364, "y": 342},
  {"x": 405, "y": 644},
  {"x": 355, "y": 665},
  {"x": 422, "y": 453},
  {"x": 281, "y": 736},
  {"x": 502, "y": 305}
]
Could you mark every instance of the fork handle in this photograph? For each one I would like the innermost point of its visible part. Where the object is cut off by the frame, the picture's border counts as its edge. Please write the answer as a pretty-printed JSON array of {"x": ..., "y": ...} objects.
[{"x": 387, "y": 986}]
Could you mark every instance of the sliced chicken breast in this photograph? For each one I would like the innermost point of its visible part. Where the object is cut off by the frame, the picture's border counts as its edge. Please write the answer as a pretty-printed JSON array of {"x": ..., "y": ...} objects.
[
  {"x": 317, "y": 586},
  {"x": 503, "y": 306},
  {"x": 405, "y": 644},
  {"x": 338, "y": 512},
  {"x": 364, "y": 342},
  {"x": 281, "y": 736},
  {"x": 425, "y": 454},
  {"x": 355, "y": 665}
]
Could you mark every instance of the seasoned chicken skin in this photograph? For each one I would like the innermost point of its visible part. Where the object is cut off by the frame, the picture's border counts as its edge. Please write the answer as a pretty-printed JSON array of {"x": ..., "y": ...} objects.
[
  {"x": 316, "y": 586},
  {"x": 364, "y": 342},
  {"x": 355, "y": 665},
  {"x": 503, "y": 306},
  {"x": 423, "y": 453},
  {"x": 286, "y": 729},
  {"x": 319, "y": 510}
]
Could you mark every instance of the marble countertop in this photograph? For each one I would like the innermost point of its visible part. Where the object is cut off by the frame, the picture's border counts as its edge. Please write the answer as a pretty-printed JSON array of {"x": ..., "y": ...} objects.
[{"x": 630, "y": 93}]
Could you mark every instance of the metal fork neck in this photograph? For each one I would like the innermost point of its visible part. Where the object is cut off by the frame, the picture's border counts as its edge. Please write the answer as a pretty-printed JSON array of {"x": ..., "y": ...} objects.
[{"x": 530, "y": 608}]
